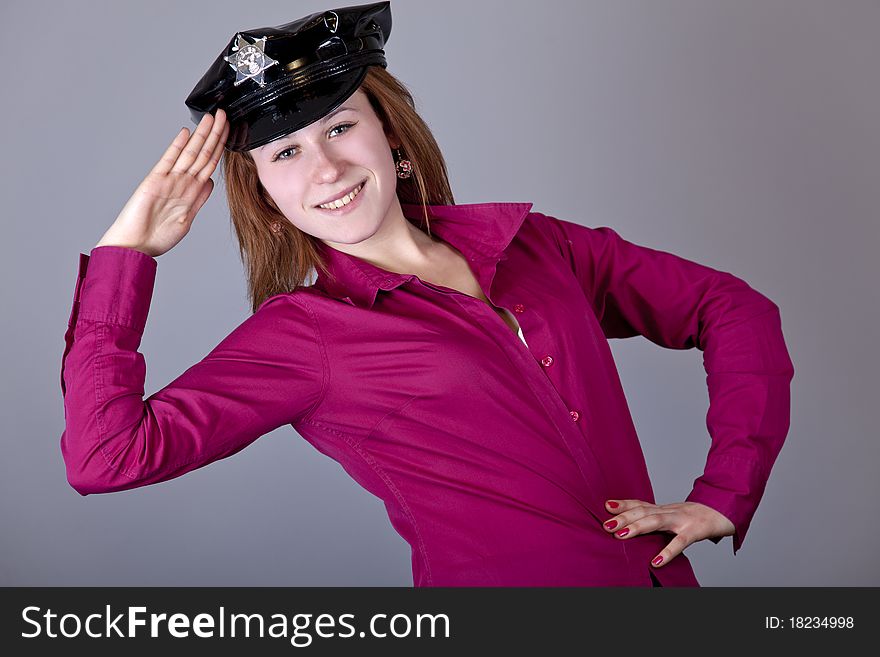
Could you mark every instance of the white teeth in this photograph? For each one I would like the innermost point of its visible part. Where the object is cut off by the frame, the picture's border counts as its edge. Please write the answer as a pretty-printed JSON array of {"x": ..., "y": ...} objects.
[{"x": 345, "y": 200}]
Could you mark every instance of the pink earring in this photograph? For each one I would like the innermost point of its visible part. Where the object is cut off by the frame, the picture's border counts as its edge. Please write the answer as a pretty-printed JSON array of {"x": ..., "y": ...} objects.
[
  {"x": 276, "y": 227},
  {"x": 404, "y": 167}
]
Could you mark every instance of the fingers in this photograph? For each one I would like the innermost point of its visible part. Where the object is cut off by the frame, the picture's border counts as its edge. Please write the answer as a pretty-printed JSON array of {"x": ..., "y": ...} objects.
[
  {"x": 192, "y": 149},
  {"x": 198, "y": 154},
  {"x": 617, "y": 506},
  {"x": 624, "y": 506},
  {"x": 173, "y": 151},
  {"x": 212, "y": 149},
  {"x": 675, "y": 547},
  {"x": 217, "y": 154},
  {"x": 634, "y": 517}
]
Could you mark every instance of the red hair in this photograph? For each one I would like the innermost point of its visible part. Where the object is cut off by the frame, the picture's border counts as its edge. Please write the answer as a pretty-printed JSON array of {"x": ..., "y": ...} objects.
[{"x": 278, "y": 262}]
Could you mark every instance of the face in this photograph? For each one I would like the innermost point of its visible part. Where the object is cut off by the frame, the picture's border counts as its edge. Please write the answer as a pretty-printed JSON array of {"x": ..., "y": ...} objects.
[{"x": 327, "y": 159}]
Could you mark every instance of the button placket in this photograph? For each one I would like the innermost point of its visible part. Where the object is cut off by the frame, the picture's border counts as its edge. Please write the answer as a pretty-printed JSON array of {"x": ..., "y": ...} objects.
[
  {"x": 547, "y": 361},
  {"x": 573, "y": 437}
]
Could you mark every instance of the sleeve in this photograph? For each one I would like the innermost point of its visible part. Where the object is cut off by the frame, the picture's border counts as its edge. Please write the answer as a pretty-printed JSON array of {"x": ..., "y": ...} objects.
[
  {"x": 266, "y": 373},
  {"x": 680, "y": 304}
]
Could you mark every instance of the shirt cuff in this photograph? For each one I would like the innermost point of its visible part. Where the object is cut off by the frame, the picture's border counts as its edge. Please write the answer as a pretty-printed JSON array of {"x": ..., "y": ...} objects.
[
  {"x": 114, "y": 286},
  {"x": 731, "y": 497}
]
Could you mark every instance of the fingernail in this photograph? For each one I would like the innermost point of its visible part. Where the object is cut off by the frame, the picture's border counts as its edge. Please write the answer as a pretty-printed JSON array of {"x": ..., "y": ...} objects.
[
  {"x": 657, "y": 560},
  {"x": 613, "y": 504},
  {"x": 611, "y": 524},
  {"x": 623, "y": 532}
]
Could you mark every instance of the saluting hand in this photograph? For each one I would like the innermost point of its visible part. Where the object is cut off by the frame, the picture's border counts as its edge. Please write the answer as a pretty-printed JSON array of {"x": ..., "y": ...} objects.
[
  {"x": 689, "y": 521},
  {"x": 161, "y": 211}
]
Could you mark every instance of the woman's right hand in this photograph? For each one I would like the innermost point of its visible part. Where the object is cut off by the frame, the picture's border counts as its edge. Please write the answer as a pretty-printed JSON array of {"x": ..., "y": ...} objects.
[{"x": 161, "y": 211}]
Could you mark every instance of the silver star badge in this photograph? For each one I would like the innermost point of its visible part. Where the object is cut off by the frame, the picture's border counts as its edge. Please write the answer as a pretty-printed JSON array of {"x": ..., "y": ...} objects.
[{"x": 249, "y": 60}]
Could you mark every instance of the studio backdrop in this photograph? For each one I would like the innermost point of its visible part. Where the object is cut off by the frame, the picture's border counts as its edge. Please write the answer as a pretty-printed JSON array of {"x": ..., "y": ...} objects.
[{"x": 740, "y": 134}]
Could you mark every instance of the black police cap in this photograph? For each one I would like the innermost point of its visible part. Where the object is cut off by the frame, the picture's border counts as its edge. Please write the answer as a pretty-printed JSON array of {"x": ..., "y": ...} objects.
[{"x": 272, "y": 81}]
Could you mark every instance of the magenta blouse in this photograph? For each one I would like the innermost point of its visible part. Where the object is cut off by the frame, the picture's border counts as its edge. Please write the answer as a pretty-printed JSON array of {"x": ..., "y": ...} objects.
[{"x": 493, "y": 457}]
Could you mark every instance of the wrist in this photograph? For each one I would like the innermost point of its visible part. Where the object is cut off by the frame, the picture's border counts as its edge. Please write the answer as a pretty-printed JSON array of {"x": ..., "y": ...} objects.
[{"x": 120, "y": 244}]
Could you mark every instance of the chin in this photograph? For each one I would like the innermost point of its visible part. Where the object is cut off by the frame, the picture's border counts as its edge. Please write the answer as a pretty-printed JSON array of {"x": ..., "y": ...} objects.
[{"x": 353, "y": 234}]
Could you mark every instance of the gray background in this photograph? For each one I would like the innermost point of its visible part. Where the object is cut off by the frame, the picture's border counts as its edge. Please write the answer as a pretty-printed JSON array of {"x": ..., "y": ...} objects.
[{"x": 740, "y": 134}]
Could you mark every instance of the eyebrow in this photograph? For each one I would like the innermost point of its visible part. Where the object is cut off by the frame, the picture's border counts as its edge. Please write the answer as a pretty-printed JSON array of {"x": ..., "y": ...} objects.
[
  {"x": 322, "y": 122},
  {"x": 335, "y": 112}
]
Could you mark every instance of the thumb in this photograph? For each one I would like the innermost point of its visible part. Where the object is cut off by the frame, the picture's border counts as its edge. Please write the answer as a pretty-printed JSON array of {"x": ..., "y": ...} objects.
[{"x": 202, "y": 198}]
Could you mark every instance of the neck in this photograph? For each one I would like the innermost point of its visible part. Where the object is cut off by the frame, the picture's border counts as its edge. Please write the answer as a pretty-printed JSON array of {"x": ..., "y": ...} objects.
[{"x": 398, "y": 246}]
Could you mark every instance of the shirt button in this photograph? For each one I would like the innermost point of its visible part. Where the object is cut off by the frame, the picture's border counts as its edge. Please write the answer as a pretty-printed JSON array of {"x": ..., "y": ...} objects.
[
  {"x": 574, "y": 415},
  {"x": 547, "y": 361},
  {"x": 518, "y": 308}
]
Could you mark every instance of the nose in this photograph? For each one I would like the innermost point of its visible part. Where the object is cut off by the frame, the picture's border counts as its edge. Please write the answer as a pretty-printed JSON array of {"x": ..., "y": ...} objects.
[{"x": 326, "y": 165}]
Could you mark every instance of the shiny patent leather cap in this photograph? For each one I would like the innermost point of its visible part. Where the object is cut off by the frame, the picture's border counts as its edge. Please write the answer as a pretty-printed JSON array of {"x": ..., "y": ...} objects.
[{"x": 272, "y": 81}]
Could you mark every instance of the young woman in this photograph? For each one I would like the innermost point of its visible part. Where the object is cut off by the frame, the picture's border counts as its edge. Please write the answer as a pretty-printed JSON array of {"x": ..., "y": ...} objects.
[{"x": 452, "y": 358}]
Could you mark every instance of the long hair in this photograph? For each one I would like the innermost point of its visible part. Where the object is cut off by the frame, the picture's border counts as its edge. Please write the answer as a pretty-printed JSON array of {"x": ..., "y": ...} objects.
[{"x": 278, "y": 262}]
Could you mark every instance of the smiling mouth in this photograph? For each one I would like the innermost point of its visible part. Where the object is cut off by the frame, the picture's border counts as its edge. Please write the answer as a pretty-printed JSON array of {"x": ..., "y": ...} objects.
[{"x": 342, "y": 201}]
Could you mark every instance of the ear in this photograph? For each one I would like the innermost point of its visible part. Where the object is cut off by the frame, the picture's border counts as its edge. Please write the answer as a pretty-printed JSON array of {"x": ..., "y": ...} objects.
[{"x": 393, "y": 141}]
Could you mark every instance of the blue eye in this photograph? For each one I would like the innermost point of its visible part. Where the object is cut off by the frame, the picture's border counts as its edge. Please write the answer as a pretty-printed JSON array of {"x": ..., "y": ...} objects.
[{"x": 287, "y": 150}]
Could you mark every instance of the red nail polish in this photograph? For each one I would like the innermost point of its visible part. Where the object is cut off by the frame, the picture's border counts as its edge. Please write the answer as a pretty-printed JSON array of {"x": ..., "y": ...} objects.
[
  {"x": 657, "y": 561},
  {"x": 623, "y": 532},
  {"x": 611, "y": 524},
  {"x": 613, "y": 504}
]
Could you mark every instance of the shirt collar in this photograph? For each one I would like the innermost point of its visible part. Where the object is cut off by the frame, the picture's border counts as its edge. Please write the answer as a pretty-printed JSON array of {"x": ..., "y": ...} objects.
[{"x": 480, "y": 231}]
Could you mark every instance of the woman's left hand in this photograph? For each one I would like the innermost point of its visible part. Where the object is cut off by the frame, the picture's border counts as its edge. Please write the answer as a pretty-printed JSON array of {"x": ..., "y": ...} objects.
[{"x": 689, "y": 521}]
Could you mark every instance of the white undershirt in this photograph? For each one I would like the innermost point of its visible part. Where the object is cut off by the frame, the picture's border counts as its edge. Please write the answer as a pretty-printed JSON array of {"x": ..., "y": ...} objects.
[{"x": 519, "y": 328}]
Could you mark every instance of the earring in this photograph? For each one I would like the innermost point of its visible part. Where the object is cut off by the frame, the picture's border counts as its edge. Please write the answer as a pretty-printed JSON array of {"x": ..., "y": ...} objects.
[
  {"x": 404, "y": 167},
  {"x": 276, "y": 227}
]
